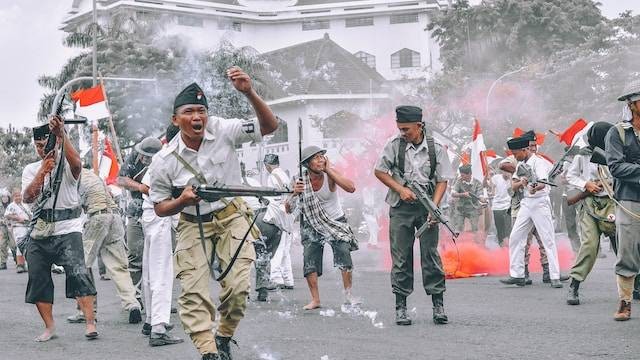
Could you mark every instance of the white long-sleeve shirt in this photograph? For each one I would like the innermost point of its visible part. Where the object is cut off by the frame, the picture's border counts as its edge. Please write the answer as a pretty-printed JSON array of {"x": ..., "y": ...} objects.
[{"x": 580, "y": 171}]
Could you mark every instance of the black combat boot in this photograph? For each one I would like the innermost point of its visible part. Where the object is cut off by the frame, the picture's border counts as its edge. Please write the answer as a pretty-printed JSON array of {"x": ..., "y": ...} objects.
[
  {"x": 573, "y": 296},
  {"x": 210, "y": 356},
  {"x": 224, "y": 347},
  {"x": 546, "y": 278},
  {"x": 263, "y": 294},
  {"x": 401, "y": 311},
  {"x": 527, "y": 280},
  {"x": 513, "y": 281},
  {"x": 439, "y": 317}
]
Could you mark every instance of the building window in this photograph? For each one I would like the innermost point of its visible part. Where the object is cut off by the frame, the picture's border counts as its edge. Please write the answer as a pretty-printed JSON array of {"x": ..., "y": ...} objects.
[
  {"x": 315, "y": 25},
  {"x": 403, "y": 19},
  {"x": 229, "y": 25},
  {"x": 193, "y": 21},
  {"x": 366, "y": 58},
  {"x": 405, "y": 58},
  {"x": 146, "y": 16},
  {"x": 360, "y": 21}
]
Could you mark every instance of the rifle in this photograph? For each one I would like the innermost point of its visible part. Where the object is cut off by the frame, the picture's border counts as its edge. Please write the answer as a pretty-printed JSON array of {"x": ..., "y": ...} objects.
[
  {"x": 558, "y": 167},
  {"x": 577, "y": 196},
  {"x": 215, "y": 192},
  {"x": 598, "y": 156},
  {"x": 525, "y": 171},
  {"x": 423, "y": 197},
  {"x": 54, "y": 184}
]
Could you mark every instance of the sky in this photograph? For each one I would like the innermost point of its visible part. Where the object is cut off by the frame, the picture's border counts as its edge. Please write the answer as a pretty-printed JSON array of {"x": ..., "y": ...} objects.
[{"x": 32, "y": 46}]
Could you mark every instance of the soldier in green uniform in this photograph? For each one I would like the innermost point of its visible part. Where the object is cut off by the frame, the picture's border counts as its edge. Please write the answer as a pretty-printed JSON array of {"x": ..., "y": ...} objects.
[
  {"x": 413, "y": 155},
  {"x": 6, "y": 240},
  {"x": 467, "y": 192},
  {"x": 205, "y": 150}
]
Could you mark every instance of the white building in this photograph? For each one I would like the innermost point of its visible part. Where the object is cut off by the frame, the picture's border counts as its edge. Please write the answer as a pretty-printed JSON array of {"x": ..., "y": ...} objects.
[
  {"x": 388, "y": 35},
  {"x": 336, "y": 54}
]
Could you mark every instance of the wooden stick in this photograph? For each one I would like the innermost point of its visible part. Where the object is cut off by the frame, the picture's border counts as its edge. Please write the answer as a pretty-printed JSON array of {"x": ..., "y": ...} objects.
[
  {"x": 94, "y": 148},
  {"x": 116, "y": 145}
]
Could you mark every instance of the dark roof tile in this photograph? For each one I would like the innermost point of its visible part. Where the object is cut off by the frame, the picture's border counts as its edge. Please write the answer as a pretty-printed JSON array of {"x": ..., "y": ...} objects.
[{"x": 318, "y": 67}]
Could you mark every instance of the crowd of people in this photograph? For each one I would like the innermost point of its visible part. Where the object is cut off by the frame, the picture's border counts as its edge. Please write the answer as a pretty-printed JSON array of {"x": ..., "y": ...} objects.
[{"x": 65, "y": 215}]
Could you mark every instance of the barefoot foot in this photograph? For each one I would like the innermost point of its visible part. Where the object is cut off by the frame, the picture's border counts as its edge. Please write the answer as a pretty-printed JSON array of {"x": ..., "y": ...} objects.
[
  {"x": 47, "y": 335},
  {"x": 312, "y": 305}
]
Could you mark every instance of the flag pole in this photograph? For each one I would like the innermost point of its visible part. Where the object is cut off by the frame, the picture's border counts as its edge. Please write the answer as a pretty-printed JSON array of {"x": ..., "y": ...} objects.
[
  {"x": 94, "y": 148},
  {"x": 112, "y": 128}
]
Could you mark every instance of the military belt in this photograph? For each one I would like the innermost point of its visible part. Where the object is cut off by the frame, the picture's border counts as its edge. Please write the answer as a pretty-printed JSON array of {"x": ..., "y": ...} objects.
[
  {"x": 50, "y": 215},
  {"x": 103, "y": 211},
  {"x": 223, "y": 213}
]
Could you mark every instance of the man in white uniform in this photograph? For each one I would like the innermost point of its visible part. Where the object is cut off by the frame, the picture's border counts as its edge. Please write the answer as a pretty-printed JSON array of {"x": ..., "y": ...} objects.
[
  {"x": 281, "y": 272},
  {"x": 535, "y": 210},
  {"x": 157, "y": 265}
]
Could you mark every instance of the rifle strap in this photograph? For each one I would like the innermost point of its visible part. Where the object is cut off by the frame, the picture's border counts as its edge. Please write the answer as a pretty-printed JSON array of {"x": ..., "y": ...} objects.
[
  {"x": 189, "y": 168},
  {"x": 610, "y": 192},
  {"x": 57, "y": 181},
  {"x": 433, "y": 161},
  {"x": 431, "y": 149},
  {"x": 203, "y": 180},
  {"x": 621, "y": 132},
  {"x": 402, "y": 149}
]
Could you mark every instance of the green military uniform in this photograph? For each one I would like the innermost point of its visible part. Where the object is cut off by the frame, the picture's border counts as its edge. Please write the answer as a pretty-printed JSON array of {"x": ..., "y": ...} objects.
[
  {"x": 225, "y": 223},
  {"x": 467, "y": 207},
  {"x": 6, "y": 239},
  {"x": 406, "y": 217}
]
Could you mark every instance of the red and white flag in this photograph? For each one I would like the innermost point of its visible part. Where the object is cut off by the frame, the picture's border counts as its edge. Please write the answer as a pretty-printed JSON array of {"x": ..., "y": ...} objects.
[
  {"x": 574, "y": 134},
  {"x": 108, "y": 168},
  {"x": 491, "y": 155},
  {"x": 478, "y": 160},
  {"x": 91, "y": 103}
]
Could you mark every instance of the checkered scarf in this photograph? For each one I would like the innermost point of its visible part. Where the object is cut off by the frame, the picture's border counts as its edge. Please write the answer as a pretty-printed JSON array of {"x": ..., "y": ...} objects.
[{"x": 317, "y": 217}]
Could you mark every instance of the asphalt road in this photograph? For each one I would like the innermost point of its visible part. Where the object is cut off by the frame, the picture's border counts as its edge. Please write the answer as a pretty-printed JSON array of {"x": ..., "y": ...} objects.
[{"x": 487, "y": 321}]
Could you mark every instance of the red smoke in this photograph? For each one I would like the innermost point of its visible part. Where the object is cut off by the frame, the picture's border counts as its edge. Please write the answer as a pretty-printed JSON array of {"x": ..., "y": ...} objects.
[{"x": 472, "y": 259}]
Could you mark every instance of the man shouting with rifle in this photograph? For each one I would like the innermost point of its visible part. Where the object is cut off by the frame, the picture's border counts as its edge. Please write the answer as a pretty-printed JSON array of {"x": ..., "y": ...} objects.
[
  {"x": 204, "y": 152},
  {"x": 56, "y": 237},
  {"x": 415, "y": 158},
  {"x": 535, "y": 210}
]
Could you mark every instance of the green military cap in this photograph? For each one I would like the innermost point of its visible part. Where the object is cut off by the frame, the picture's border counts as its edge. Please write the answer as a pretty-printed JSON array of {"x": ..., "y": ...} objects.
[
  {"x": 41, "y": 132},
  {"x": 518, "y": 143},
  {"x": 272, "y": 159},
  {"x": 465, "y": 169},
  {"x": 408, "y": 114},
  {"x": 530, "y": 135},
  {"x": 631, "y": 91},
  {"x": 192, "y": 94}
]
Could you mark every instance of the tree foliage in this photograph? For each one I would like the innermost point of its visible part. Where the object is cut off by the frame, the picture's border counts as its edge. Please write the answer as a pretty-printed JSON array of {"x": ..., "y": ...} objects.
[
  {"x": 566, "y": 61},
  {"x": 503, "y": 34},
  {"x": 17, "y": 151},
  {"x": 131, "y": 48}
]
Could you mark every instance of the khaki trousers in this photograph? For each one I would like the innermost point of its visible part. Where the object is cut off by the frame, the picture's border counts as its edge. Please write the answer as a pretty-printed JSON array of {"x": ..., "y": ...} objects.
[
  {"x": 589, "y": 245},
  {"x": 104, "y": 234},
  {"x": 196, "y": 309},
  {"x": 6, "y": 242}
]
